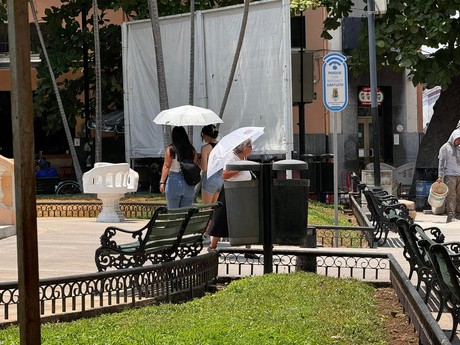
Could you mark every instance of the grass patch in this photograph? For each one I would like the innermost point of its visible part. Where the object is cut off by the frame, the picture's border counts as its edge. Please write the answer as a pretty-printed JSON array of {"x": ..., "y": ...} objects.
[
  {"x": 298, "y": 308},
  {"x": 323, "y": 214}
]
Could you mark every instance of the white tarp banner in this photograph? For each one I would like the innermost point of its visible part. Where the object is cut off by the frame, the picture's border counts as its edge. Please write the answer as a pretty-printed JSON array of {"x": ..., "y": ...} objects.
[{"x": 261, "y": 90}]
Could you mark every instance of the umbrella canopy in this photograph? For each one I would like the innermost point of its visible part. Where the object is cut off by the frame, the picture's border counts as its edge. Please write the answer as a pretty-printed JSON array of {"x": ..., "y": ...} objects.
[
  {"x": 226, "y": 145},
  {"x": 187, "y": 115}
]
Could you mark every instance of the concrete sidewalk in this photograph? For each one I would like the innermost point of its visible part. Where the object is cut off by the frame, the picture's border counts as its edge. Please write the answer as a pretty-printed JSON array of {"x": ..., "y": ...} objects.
[{"x": 67, "y": 245}]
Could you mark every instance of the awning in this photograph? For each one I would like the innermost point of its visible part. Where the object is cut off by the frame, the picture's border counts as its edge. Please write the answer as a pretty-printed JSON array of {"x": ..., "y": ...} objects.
[{"x": 111, "y": 122}]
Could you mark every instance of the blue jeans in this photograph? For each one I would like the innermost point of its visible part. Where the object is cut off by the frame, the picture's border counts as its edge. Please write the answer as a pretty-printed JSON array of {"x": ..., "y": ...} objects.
[
  {"x": 212, "y": 184},
  {"x": 178, "y": 192}
]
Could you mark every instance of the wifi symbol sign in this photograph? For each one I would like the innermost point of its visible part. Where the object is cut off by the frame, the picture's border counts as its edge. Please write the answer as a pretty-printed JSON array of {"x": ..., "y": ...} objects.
[{"x": 335, "y": 82}]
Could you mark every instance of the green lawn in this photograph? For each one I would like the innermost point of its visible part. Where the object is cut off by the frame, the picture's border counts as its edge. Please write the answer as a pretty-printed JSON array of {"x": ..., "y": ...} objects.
[{"x": 299, "y": 308}]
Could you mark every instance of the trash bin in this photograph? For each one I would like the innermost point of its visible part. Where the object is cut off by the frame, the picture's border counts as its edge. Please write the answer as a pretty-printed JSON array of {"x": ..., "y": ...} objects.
[
  {"x": 242, "y": 202},
  {"x": 289, "y": 209},
  {"x": 312, "y": 174},
  {"x": 326, "y": 177},
  {"x": 424, "y": 178},
  {"x": 422, "y": 190}
]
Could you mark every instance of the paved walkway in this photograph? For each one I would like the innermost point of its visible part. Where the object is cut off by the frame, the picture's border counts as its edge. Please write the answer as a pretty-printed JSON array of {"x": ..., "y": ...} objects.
[{"x": 66, "y": 247}]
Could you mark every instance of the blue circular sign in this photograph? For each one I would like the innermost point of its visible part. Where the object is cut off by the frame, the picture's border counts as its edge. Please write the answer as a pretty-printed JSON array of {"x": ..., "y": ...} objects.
[{"x": 335, "y": 82}]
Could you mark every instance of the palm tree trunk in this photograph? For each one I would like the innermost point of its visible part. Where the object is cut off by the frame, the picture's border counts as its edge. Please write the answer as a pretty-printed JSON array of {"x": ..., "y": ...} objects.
[
  {"x": 97, "y": 72},
  {"x": 191, "y": 87},
  {"x": 235, "y": 58},
  {"x": 65, "y": 123},
  {"x": 162, "y": 88}
]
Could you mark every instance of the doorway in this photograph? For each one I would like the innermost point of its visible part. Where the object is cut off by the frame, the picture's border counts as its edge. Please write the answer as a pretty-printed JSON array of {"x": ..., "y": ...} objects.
[
  {"x": 365, "y": 142},
  {"x": 365, "y": 128}
]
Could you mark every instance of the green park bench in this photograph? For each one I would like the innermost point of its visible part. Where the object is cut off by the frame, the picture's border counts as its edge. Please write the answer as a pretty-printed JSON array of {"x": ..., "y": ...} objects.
[
  {"x": 169, "y": 234},
  {"x": 444, "y": 258}
]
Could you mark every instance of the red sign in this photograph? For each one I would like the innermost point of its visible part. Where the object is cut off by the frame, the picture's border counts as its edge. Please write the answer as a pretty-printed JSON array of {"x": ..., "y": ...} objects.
[{"x": 364, "y": 97}]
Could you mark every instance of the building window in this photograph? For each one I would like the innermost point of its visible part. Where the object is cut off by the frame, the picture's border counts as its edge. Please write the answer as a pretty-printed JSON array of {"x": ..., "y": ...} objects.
[
  {"x": 3, "y": 38},
  {"x": 34, "y": 40}
]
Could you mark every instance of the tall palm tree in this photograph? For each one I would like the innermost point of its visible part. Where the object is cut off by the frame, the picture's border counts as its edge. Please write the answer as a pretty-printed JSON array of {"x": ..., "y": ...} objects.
[
  {"x": 162, "y": 89},
  {"x": 73, "y": 152},
  {"x": 191, "y": 87},
  {"x": 97, "y": 72},
  {"x": 235, "y": 58}
]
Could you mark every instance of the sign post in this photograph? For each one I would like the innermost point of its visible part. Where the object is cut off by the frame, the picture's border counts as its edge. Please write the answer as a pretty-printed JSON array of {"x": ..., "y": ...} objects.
[{"x": 335, "y": 99}]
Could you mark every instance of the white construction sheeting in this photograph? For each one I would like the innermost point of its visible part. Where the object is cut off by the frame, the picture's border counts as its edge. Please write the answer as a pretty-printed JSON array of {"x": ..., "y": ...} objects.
[{"x": 261, "y": 90}]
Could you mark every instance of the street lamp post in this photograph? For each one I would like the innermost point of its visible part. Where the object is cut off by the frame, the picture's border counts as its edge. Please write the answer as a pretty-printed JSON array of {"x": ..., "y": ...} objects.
[
  {"x": 302, "y": 101},
  {"x": 373, "y": 84}
]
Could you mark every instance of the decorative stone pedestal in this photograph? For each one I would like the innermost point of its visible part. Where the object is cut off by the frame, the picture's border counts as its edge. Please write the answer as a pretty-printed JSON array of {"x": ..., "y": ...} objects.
[
  {"x": 386, "y": 182},
  {"x": 110, "y": 182},
  {"x": 111, "y": 212},
  {"x": 7, "y": 231},
  {"x": 7, "y": 198}
]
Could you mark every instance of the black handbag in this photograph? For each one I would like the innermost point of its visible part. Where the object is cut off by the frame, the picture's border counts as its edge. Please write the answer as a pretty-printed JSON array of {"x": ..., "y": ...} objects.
[{"x": 190, "y": 170}]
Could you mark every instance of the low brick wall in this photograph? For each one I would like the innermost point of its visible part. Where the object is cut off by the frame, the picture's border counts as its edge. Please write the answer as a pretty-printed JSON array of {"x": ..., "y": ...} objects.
[{"x": 91, "y": 209}]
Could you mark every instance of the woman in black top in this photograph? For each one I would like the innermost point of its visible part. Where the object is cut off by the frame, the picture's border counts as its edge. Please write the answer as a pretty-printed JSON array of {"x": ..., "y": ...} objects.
[{"x": 172, "y": 183}]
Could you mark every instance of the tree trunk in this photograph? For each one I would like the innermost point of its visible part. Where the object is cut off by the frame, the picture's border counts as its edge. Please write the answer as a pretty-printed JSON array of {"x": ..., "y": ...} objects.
[
  {"x": 235, "y": 57},
  {"x": 191, "y": 87},
  {"x": 444, "y": 121},
  {"x": 97, "y": 72},
  {"x": 162, "y": 89},
  {"x": 65, "y": 123}
]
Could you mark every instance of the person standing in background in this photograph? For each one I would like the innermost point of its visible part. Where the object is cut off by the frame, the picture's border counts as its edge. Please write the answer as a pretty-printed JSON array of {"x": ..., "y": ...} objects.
[
  {"x": 449, "y": 172},
  {"x": 172, "y": 183},
  {"x": 210, "y": 187}
]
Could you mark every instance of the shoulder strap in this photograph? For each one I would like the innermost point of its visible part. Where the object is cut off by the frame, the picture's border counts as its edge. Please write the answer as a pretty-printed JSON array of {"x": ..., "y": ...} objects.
[{"x": 178, "y": 156}]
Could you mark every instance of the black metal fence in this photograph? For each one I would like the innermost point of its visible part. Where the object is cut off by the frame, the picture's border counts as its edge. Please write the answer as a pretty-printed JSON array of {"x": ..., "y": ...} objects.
[
  {"x": 69, "y": 298},
  {"x": 370, "y": 267},
  {"x": 72, "y": 297}
]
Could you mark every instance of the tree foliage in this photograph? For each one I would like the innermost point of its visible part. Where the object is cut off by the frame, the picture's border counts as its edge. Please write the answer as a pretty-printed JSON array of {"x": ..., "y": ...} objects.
[
  {"x": 3, "y": 13},
  {"x": 65, "y": 38},
  {"x": 298, "y": 6},
  {"x": 400, "y": 35}
]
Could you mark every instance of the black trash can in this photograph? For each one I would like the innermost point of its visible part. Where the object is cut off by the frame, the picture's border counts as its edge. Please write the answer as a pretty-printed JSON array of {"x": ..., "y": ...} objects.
[
  {"x": 242, "y": 202},
  {"x": 289, "y": 209},
  {"x": 326, "y": 177},
  {"x": 312, "y": 174}
]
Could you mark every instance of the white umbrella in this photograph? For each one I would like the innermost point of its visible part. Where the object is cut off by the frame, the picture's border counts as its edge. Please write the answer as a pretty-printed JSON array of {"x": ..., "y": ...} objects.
[
  {"x": 187, "y": 115},
  {"x": 226, "y": 145}
]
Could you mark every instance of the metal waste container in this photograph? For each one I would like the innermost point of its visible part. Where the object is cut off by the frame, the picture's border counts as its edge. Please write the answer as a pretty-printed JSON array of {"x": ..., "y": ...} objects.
[
  {"x": 242, "y": 202},
  {"x": 424, "y": 178},
  {"x": 289, "y": 209},
  {"x": 326, "y": 177},
  {"x": 312, "y": 174}
]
